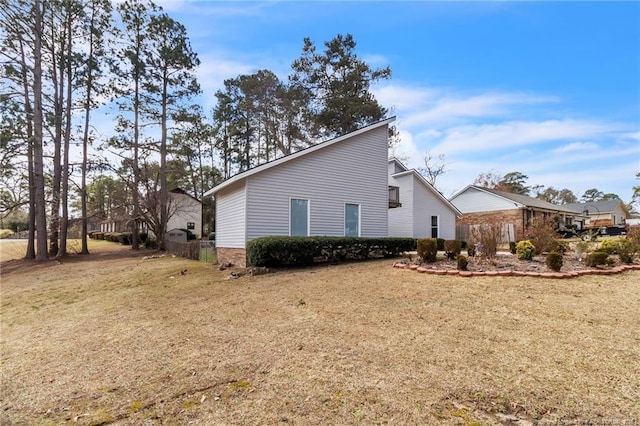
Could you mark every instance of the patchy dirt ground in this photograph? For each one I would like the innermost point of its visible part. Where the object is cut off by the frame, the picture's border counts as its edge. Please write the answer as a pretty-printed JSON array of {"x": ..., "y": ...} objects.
[{"x": 123, "y": 340}]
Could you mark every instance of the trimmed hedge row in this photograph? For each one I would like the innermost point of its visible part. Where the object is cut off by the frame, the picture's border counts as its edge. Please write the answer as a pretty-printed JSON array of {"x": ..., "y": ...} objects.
[
  {"x": 116, "y": 237},
  {"x": 300, "y": 251}
]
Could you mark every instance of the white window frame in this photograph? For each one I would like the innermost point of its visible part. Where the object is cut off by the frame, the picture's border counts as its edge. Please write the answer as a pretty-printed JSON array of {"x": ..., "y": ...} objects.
[
  {"x": 344, "y": 216},
  {"x": 308, "y": 214}
]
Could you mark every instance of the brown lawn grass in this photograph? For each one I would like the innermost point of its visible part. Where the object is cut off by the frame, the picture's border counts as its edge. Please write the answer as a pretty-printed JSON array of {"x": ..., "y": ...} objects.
[{"x": 122, "y": 340}]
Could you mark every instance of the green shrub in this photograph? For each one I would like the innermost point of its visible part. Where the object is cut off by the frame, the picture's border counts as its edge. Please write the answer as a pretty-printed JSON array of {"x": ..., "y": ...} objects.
[
  {"x": 559, "y": 246},
  {"x": 627, "y": 250},
  {"x": 512, "y": 247},
  {"x": 610, "y": 245},
  {"x": 462, "y": 263},
  {"x": 525, "y": 250},
  {"x": 554, "y": 261},
  {"x": 440, "y": 242},
  {"x": 452, "y": 248},
  {"x": 299, "y": 251},
  {"x": 597, "y": 258},
  {"x": 428, "y": 249}
]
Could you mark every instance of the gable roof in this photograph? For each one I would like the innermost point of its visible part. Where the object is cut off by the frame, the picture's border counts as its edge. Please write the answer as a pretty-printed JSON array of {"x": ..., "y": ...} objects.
[
  {"x": 291, "y": 157},
  {"x": 424, "y": 182},
  {"x": 183, "y": 192},
  {"x": 604, "y": 206},
  {"x": 522, "y": 200},
  {"x": 398, "y": 162}
]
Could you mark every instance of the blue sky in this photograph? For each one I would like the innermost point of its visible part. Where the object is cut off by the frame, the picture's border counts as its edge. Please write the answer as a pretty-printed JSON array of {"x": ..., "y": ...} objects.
[{"x": 548, "y": 89}]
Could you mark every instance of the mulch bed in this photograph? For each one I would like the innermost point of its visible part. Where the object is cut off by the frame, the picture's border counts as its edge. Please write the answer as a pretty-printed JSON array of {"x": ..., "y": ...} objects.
[{"x": 506, "y": 264}]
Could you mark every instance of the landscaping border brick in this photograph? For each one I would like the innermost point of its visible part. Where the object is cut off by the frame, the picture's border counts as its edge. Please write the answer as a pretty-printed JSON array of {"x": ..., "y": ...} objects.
[{"x": 548, "y": 275}]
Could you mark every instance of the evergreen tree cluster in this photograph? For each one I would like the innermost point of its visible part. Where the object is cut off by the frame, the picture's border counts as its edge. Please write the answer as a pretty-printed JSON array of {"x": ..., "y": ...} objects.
[{"x": 63, "y": 60}]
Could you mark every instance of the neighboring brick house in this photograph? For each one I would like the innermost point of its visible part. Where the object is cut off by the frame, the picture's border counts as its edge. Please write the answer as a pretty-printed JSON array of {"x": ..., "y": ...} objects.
[
  {"x": 516, "y": 212},
  {"x": 605, "y": 213}
]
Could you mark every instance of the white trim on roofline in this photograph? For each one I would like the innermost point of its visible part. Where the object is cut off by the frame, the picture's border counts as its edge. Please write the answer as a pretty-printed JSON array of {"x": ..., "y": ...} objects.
[
  {"x": 394, "y": 159},
  {"x": 431, "y": 188},
  {"x": 295, "y": 155},
  {"x": 479, "y": 188}
]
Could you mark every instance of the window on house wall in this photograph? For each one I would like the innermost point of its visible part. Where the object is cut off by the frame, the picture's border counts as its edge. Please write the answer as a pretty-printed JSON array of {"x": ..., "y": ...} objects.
[
  {"x": 530, "y": 216},
  {"x": 299, "y": 217},
  {"x": 191, "y": 225},
  {"x": 434, "y": 226},
  {"x": 352, "y": 220}
]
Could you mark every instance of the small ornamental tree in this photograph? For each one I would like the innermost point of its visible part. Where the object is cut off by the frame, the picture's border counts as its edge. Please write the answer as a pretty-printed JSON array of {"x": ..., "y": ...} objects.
[
  {"x": 489, "y": 236},
  {"x": 542, "y": 234}
]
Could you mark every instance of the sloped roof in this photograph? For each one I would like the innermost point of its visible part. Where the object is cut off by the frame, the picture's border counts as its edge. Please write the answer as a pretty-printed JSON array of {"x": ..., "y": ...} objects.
[
  {"x": 523, "y": 200},
  {"x": 398, "y": 162},
  {"x": 604, "y": 206},
  {"x": 424, "y": 182},
  {"x": 295, "y": 155},
  {"x": 183, "y": 192}
]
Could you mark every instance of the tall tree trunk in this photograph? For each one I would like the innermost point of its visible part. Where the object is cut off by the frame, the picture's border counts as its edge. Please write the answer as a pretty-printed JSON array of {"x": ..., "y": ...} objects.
[
  {"x": 58, "y": 85},
  {"x": 38, "y": 166},
  {"x": 31, "y": 250},
  {"x": 85, "y": 146},
  {"x": 64, "y": 226},
  {"x": 164, "y": 193},
  {"x": 135, "y": 198},
  {"x": 85, "y": 136}
]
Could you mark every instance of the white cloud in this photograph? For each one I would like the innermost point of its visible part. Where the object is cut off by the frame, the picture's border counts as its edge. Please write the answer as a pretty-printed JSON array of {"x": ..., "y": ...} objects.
[
  {"x": 405, "y": 98},
  {"x": 406, "y": 151},
  {"x": 634, "y": 135},
  {"x": 510, "y": 134},
  {"x": 576, "y": 147},
  {"x": 453, "y": 107},
  {"x": 376, "y": 60},
  {"x": 212, "y": 72},
  {"x": 421, "y": 106},
  {"x": 508, "y": 131}
]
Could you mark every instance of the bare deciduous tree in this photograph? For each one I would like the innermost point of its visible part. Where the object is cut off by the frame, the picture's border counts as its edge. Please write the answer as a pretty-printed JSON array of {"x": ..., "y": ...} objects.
[{"x": 434, "y": 166}]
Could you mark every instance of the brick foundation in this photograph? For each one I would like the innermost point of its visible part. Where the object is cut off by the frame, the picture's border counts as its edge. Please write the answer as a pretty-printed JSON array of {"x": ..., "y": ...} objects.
[
  {"x": 516, "y": 217},
  {"x": 237, "y": 256}
]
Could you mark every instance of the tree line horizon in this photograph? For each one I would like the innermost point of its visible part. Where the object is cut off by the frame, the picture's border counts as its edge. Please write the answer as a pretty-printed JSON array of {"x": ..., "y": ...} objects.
[{"x": 64, "y": 60}]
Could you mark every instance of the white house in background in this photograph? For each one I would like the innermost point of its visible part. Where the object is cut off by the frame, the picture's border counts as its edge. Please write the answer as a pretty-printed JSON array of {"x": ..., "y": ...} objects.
[
  {"x": 185, "y": 212},
  {"x": 335, "y": 188},
  {"x": 421, "y": 211}
]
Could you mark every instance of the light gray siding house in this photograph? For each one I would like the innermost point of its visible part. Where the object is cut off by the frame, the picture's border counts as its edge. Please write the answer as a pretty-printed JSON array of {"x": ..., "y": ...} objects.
[
  {"x": 423, "y": 211},
  {"x": 335, "y": 188}
]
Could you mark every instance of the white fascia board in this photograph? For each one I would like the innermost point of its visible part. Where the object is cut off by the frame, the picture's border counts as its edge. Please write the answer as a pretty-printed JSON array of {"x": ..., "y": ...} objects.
[{"x": 295, "y": 155}]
